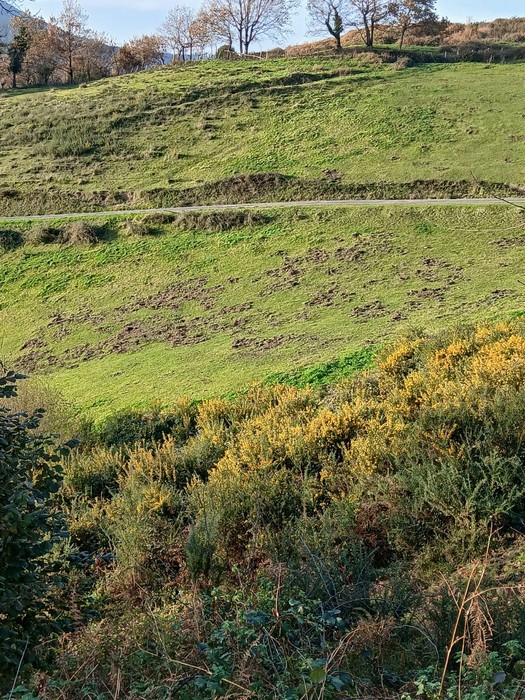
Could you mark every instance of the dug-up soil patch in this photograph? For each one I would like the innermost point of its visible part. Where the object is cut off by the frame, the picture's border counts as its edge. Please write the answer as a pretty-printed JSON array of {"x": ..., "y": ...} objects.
[
  {"x": 175, "y": 295},
  {"x": 375, "y": 309},
  {"x": 256, "y": 346},
  {"x": 510, "y": 242}
]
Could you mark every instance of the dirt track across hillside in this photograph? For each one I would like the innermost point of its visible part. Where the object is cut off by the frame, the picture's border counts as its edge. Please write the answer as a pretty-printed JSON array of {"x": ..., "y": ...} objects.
[{"x": 276, "y": 205}]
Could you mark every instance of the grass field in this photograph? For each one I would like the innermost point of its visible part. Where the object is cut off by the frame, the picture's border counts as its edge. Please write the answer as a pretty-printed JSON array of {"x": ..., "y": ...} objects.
[
  {"x": 332, "y": 126},
  {"x": 203, "y": 312}
]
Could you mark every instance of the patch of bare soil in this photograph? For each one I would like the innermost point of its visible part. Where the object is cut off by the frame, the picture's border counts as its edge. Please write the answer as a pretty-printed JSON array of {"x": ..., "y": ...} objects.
[
  {"x": 257, "y": 346},
  {"x": 433, "y": 293},
  {"x": 330, "y": 297},
  {"x": 436, "y": 270},
  {"x": 36, "y": 359},
  {"x": 63, "y": 324},
  {"x": 34, "y": 344},
  {"x": 363, "y": 254},
  {"x": 375, "y": 309},
  {"x": 134, "y": 334},
  {"x": 496, "y": 295},
  {"x": 175, "y": 295},
  {"x": 286, "y": 277},
  {"x": 510, "y": 242}
]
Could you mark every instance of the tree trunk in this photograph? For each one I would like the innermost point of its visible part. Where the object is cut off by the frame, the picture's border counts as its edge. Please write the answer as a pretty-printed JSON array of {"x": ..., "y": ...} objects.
[
  {"x": 338, "y": 42},
  {"x": 14, "y": 80},
  {"x": 369, "y": 38},
  {"x": 402, "y": 38}
]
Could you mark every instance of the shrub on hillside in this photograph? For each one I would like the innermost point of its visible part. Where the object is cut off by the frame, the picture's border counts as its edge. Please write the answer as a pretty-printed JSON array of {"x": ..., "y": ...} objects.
[
  {"x": 129, "y": 427},
  {"x": 9, "y": 240},
  {"x": 35, "y": 394},
  {"x": 159, "y": 218},
  {"x": 289, "y": 537},
  {"x": 369, "y": 59},
  {"x": 43, "y": 233},
  {"x": 218, "y": 221},
  {"x": 436, "y": 431},
  {"x": 401, "y": 63},
  {"x": 30, "y": 527},
  {"x": 138, "y": 227},
  {"x": 81, "y": 233},
  {"x": 74, "y": 233}
]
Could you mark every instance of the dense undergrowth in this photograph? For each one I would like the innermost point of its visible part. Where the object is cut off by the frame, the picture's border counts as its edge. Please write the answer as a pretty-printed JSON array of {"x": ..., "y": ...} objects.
[{"x": 364, "y": 537}]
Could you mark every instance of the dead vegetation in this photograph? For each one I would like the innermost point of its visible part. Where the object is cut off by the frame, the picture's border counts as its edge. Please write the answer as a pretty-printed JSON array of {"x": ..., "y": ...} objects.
[{"x": 74, "y": 233}]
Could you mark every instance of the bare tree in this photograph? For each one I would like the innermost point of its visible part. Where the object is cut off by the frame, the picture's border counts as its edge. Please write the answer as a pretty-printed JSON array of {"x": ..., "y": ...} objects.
[
  {"x": 70, "y": 32},
  {"x": 202, "y": 33},
  {"x": 327, "y": 14},
  {"x": 249, "y": 20},
  {"x": 97, "y": 57},
  {"x": 176, "y": 30},
  {"x": 408, "y": 13},
  {"x": 365, "y": 15},
  {"x": 214, "y": 18},
  {"x": 42, "y": 59},
  {"x": 140, "y": 53}
]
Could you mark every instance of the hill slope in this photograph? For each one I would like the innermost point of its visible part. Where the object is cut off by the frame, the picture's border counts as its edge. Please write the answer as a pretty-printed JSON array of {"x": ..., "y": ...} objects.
[
  {"x": 333, "y": 126},
  {"x": 198, "y": 311}
]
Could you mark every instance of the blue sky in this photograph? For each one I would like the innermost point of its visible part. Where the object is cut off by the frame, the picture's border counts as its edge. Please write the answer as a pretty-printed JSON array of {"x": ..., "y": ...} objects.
[{"x": 122, "y": 19}]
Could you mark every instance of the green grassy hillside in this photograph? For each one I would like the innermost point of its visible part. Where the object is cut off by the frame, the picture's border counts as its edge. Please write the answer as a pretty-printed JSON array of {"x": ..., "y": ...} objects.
[
  {"x": 197, "y": 311},
  {"x": 334, "y": 126}
]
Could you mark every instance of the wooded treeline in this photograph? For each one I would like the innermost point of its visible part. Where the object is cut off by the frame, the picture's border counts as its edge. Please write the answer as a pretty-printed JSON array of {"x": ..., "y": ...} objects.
[{"x": 65, "y": 49}]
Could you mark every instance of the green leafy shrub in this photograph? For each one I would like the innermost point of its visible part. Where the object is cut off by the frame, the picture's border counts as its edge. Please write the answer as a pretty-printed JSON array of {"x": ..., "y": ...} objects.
[
  {"x": 93, "y": 473},
  {"x": 30, "y": 527},
  {"x": 303, "y": 542},
  {"x": 130, "y": 426},
  {"x": 58, "y": 417}
]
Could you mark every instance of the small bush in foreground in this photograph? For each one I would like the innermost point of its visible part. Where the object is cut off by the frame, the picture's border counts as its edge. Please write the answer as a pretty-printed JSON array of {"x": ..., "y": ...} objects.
[{"x": 29, "y": 529}]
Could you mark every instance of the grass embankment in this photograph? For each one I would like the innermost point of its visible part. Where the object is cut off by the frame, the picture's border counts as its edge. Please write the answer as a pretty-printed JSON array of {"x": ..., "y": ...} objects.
[
  {"x": 198, "y": 311},
  {"x": 319, "y": 127}
]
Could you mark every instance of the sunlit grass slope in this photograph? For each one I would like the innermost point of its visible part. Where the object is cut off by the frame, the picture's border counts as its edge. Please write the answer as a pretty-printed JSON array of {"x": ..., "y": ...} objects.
[
  {"x": 316, "y": 120},
  {"x": 132, "y": 319}
]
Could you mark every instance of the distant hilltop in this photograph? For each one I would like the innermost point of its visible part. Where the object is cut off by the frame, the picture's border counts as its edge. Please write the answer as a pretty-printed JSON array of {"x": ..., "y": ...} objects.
[{"x": 7, "y": 12}]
